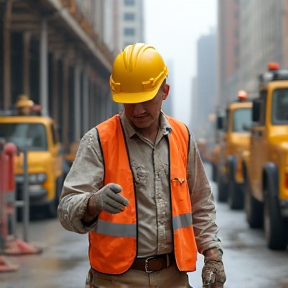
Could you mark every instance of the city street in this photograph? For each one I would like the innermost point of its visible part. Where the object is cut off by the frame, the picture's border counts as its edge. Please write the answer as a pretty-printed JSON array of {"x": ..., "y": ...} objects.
[
  {"x": 63, "y": 263},
  {"x": 69, "y": 65}
]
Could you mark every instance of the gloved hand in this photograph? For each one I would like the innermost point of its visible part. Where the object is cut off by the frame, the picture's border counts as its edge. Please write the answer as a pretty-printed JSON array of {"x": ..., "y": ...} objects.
[
  {"x": 213, "y": 274},
  {"x": 108, "y": 199}
]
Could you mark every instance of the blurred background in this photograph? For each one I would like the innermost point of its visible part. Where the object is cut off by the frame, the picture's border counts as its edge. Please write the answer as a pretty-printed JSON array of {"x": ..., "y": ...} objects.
[{"x": 59, "y": 54}]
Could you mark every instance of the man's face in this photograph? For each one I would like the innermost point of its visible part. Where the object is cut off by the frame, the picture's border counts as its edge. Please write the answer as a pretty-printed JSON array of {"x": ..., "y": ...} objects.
[
  {"x": 144, "y": 114},
  {"x": 24, "y": 111}
]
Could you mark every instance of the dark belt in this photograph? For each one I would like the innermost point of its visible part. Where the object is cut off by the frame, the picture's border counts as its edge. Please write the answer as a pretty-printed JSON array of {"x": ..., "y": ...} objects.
[{"x": 153, "y": 263}]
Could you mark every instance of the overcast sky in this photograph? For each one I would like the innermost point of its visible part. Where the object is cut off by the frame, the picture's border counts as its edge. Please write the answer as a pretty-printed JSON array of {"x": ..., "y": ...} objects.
[{"x": 173, "y": 28}]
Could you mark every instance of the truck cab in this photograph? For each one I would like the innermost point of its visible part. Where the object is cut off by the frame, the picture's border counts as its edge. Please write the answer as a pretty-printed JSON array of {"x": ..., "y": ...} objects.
[
  {"x": 234, "y": 141},
  {"x": 266, "y": 164},
  {"x": 36, "y": 135}
]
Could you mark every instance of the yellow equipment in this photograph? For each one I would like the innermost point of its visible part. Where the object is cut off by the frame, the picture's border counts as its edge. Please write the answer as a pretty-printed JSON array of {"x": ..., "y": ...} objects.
[
  {"x": 233, "y": 143},
  {"x": 37, "y": 135},
  {"x": 266, "y": 161}
]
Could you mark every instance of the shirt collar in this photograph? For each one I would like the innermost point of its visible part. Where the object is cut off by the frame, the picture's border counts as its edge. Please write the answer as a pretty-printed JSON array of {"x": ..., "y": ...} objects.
[{"x": 165, "y": 126}]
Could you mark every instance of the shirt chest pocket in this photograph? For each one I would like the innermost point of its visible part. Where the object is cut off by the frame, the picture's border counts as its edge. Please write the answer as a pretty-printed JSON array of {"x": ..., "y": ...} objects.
[{"x": 140, "y": 175}]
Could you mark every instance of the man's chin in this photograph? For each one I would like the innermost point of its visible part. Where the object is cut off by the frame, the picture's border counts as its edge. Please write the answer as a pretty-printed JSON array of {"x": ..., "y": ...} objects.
[{"x": 141, "y": 123}]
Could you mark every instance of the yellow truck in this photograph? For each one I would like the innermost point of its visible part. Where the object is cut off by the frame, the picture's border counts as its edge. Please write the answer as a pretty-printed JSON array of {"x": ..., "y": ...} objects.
[
  {"x": 36, "y": 134},
  {"x": 233, "y": 142},
  {"x": 266, "y": 163}
]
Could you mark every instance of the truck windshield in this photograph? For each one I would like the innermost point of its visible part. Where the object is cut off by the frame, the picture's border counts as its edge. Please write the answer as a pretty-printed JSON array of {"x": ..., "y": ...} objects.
[
  {"x": 280, "y": 107},
  {"x": 242, "y": 120},
  {"x": 25, "y": 135}
]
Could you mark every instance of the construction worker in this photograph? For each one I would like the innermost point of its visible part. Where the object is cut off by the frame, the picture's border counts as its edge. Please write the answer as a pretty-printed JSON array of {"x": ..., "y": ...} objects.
[
  {"x": 138, "y": 186},
  {"x": 24, "y": 105}
]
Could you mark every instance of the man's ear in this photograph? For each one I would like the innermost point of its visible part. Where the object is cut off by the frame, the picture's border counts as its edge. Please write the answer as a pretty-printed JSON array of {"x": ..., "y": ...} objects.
[{"x": 166, "y": 88}]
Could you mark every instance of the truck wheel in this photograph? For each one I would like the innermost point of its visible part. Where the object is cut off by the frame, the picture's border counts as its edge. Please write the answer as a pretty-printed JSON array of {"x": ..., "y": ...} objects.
[
  {"x": 235, "y": 198},
  {"x": 222, "y": 189},
  {"x": 51, "y": 208},
  {"x": 253, "y": 208},
  {"x": 274, "y": 224}
]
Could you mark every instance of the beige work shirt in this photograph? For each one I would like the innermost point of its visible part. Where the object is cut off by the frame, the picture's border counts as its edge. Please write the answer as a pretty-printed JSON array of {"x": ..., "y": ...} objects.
[{"x": 150, "y": 167}]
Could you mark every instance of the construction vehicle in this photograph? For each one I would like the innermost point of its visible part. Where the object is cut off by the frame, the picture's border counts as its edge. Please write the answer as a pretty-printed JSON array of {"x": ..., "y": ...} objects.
[
  {"x": 36, "y": 135},
  {"x": 266, "y": 162},
  {"x": 233, "y": 142}
]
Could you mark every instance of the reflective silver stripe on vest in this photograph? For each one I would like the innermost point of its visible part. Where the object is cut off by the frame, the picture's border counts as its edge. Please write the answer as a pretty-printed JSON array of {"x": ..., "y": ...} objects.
[
  {"x": 116, "y": 229},
  {"x": 182, "y": 221}
]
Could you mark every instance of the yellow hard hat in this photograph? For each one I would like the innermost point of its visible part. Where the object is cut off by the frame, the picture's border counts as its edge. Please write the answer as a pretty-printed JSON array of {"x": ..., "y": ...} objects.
[
  {"x": 24, "y": 101},
  {"x": 137, "y": 74}
]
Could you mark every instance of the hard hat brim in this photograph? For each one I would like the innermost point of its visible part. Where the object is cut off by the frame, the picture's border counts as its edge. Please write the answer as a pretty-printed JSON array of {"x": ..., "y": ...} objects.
[
  {"x": 24, "y": 103},
  {"x": 133, "y": 98}
]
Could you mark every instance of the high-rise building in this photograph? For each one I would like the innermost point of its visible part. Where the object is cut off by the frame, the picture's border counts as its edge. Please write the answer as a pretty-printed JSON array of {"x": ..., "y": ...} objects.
[
  {"x": 206, "y": 79},
  {"x": 130, "y": 22},
  {"x": 228, "y": 49},
  {"x": 118, "y": 22},
  {"x": 262, "y": 28},
  {"x": 250, "y": 35}
]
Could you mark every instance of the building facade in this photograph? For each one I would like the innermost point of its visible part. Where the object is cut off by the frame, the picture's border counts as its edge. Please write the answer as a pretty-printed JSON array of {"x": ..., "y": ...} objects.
[
  {"x": 205, "y": 97},
  {"x": 228, "y": 51},
  {"x": 261, "y": 32},
  {"x": 130, "y": 22},
  {"x": 51, "y": 51},
  {"x": 255, "y": 33}
]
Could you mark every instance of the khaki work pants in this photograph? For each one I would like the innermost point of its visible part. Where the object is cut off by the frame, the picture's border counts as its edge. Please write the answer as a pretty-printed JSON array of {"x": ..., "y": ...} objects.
[{"x": 169, "y": 277}]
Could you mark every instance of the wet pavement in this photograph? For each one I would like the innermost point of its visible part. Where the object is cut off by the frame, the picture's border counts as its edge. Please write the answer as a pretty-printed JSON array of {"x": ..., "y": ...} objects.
[{"x": 64, "y": 261}]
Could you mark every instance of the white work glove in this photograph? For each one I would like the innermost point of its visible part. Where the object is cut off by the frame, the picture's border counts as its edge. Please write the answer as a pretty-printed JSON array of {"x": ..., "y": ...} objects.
[
  {"x": 108, "y": 199},
  {"x": 213, "y": 274}
]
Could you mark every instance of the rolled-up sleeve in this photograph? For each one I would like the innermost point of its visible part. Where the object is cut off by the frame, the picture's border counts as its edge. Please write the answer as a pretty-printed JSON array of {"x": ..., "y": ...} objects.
[
  {"x": 202, "y": 201},
  {"x": 84, "y": 178}
]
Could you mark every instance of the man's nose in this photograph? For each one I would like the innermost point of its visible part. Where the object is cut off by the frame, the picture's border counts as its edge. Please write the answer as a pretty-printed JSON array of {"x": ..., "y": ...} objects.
[{"x": 138, "y": 109}]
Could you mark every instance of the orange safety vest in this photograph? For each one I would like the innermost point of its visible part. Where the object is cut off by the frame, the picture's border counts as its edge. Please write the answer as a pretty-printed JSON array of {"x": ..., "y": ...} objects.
[{"x": 113, "y": 244}]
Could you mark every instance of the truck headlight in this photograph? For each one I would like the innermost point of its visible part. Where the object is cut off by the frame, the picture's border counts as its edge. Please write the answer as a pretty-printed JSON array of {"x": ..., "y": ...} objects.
[
  {"x": 37, "y": 178},
  {"x": 19, "y": 178}
]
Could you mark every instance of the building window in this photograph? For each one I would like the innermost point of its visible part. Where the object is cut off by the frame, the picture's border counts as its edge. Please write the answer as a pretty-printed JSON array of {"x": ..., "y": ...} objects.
[
  {"x": 129, "y": 2},
  {"x": 129, "y": 16},
  {"x": 129, "y": 31}
]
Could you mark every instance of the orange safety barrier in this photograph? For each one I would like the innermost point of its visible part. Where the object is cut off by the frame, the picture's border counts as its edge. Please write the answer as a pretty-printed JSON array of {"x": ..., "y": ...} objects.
[
  {"x": 5, "y": 185},
  {"x": 10, "y": 244}
]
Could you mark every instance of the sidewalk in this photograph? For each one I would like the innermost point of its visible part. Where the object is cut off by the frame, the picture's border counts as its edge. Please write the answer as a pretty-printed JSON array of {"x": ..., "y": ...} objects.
[{"x": 63, "y": 262}]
